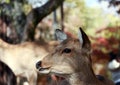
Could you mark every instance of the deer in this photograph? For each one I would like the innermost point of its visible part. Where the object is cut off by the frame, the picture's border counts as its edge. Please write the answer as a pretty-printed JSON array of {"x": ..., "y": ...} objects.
[
  {"x": 21, "y": 58},
  {"x": 71, "y": 59}
]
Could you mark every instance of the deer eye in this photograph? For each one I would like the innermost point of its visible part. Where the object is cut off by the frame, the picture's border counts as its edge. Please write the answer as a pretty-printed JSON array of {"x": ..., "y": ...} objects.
[{"x": 66, "y": 50}]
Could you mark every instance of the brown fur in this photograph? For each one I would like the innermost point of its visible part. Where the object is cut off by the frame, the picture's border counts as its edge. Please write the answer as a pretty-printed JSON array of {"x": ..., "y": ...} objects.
[{"x": 71, "y": 60}]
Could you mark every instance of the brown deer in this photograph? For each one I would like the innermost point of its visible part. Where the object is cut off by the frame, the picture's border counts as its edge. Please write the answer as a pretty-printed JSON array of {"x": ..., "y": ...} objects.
[{"x": 71, "y": 60}]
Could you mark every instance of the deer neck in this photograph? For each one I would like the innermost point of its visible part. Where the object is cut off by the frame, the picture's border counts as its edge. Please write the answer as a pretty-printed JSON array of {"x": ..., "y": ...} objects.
[{"x": 83, "y": 78}]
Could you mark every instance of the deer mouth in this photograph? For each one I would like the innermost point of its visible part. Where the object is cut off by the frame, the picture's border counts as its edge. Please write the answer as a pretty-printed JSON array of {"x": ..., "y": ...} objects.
[
  {"x": 41, "y": 69},
  {"x": 44, "y": 70}
]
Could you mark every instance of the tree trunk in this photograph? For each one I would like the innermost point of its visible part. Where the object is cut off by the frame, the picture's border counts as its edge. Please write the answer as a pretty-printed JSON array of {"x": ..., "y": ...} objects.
[{"x": 36, "y": 15}]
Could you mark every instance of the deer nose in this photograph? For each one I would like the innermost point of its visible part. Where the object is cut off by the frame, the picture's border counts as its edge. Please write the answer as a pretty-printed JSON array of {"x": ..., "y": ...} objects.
[{"x": 38, "y": 64}]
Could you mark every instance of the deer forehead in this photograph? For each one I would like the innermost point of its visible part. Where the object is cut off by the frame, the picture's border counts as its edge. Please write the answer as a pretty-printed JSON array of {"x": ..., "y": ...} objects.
[{"x": 70, "y": 43}]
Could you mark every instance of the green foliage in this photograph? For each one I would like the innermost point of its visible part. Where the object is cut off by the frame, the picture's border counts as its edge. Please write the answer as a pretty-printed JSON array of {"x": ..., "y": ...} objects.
[
  {"x": 90, "y": 18},
  {"x": 114, "y": 21},
  {"x": 78, "y": 14}
]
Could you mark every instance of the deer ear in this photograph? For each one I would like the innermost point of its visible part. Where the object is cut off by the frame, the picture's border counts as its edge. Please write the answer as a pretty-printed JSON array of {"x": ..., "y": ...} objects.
[
  {"x": 84, "y": 40},
  {"x": 60, "y": 35}
]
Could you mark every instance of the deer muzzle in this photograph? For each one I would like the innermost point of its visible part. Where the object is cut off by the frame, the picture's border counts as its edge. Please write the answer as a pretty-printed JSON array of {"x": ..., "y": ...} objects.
[{"x": 41, "y": 69}]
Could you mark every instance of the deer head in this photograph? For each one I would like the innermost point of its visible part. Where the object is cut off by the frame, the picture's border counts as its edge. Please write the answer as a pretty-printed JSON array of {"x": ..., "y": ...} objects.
[
  {"x": 71, "y": 60},
  {"x": 68, "y": 57}
]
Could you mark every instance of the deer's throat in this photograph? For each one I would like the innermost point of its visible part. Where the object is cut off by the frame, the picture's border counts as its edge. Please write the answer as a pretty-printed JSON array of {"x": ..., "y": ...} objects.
[{"x": 81, "y": 78}]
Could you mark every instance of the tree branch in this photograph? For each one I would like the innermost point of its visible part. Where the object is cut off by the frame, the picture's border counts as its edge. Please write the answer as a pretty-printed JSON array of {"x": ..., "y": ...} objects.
[{"x": 36, "y": 15}]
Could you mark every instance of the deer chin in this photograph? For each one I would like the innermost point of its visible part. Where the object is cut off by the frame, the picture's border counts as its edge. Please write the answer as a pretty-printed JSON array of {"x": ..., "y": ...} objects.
[{"x": 59, "y": 73}]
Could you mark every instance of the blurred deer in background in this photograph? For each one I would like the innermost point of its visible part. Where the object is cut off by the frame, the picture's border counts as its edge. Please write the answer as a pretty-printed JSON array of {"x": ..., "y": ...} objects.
[
  {"x": 71, "y": 60},
  {"x": 7, "y": 77},
  {"x": 21, "y": 58}
]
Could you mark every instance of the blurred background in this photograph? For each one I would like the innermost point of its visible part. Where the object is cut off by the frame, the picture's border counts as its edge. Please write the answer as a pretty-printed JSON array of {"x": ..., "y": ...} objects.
[{"x": 36, "y": 20}]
